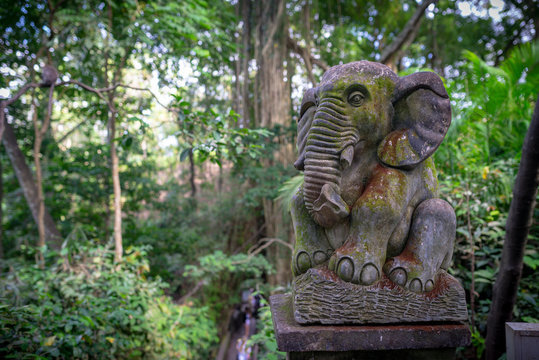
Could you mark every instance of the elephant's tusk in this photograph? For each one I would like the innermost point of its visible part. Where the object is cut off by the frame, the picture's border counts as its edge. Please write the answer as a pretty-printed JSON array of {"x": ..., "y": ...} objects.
[
  {"x": 330, "y": 208},
  {"x": 300, "y": 162},
  {"x": 347, "y": 156}
]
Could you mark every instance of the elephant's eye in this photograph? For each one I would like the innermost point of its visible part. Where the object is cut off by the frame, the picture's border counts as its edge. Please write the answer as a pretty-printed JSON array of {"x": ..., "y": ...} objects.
[{"x": 356, "y": 98}]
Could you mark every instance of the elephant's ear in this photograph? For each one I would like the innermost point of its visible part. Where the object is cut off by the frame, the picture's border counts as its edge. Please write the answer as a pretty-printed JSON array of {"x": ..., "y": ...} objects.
[
  {"x": 422, "y": 118},
  {"x": 306, "y": 115}
]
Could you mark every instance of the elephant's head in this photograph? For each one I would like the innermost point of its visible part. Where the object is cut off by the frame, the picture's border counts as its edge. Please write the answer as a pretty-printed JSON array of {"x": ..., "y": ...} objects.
[{"x": 364, "y": 109}]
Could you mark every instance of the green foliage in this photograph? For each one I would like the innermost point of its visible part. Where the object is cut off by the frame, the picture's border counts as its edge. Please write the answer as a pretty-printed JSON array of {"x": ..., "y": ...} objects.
[
  {"x": 213, "y": 265},
  {"x": 220, "y": 274},
  {"x": 477, "y": 163},
  {"x": 494, "y": 105},
  {"x": 288, "y": 190},
  {"x": 83, "y": 305},
  {"x": 265, "y": 335},
  {"x": 478, "y": 342},
  {"x": 214, "y": 137}
]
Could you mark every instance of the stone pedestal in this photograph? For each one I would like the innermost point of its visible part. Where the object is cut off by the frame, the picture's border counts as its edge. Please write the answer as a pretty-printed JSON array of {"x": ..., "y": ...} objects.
[{"x": 432, "y": 340}]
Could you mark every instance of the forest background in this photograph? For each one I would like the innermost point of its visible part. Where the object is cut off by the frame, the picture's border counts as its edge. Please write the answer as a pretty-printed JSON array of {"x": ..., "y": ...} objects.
[{"x": 148, "y": 186}]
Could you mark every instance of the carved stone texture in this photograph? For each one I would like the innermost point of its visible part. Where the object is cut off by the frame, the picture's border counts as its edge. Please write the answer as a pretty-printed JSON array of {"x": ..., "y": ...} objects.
[
  {"x": 370, "y": 340},
  {"x": 369, "y": 203},
  {"x": 321, "y": 297}
]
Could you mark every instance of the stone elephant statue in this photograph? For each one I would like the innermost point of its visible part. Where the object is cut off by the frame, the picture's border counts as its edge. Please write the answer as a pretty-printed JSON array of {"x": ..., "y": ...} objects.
[{"x": 369, "y": 202}]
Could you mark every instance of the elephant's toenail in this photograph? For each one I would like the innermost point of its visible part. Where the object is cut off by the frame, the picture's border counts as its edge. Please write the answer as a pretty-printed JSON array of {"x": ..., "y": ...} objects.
[
  {"x": 319, "y": 257},
  {"x": 429, "y": 285},
  {"x": 415, "y": 285},
  {"x": 331, "y": 264},
  {"x": 346, "y": 269},
  {"x": 303, "y": 262},
  {"x": 398, "y": 276},
  {"x": 369, "y": 274}
]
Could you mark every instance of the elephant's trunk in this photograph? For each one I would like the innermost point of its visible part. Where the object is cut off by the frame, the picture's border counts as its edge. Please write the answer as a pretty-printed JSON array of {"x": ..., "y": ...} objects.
[{"x": 329, "y": 148}]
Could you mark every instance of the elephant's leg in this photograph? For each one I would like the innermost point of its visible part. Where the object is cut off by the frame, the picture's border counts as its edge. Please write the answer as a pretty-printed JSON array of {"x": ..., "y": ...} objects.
[
  {"x": 374, "y": 217},
  {"x": 312, "y": 246},
  {"x": 429, "y": 247}
]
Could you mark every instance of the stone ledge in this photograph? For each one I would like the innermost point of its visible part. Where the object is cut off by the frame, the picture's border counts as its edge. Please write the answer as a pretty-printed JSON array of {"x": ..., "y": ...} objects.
[
  {"x": 292, "y": 337},
  {"x": 320, "y": 297}
]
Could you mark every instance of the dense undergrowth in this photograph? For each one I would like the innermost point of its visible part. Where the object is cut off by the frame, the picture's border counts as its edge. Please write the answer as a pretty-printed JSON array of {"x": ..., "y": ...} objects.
[{"x": 83, "y": 305}]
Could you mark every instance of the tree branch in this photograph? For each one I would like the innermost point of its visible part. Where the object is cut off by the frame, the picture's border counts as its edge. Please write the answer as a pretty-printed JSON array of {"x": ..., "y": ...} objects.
[
  {"x": 6, "y": 103},
  {"x": 47, "y": 120},
  {"x": 274, "y": 26},
  {"x": 98, "y": 91},
  {"x": 292, "y": 45},
  {"x": 406, "y": 34},
  {"x": 510, "y": 44},
  {"x": 256, "y": 249},
  {"x": 71, "y": 131},
  {"x": 171, "y": 109},
  {"x": 192, "y": 291}
]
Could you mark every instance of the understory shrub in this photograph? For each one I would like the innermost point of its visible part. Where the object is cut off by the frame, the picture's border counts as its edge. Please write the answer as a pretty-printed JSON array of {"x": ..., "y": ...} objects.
[{"x": 83, "y": 305}]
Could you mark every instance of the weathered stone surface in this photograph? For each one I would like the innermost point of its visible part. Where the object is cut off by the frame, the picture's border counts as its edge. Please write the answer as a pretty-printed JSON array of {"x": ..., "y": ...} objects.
[
  {"x": 321, "y": 297},
  {"x": 292, "y": 337},
  {"x": 369, "y": 201},
  {"x": 413, "y": 354},
  {"x": 522, "y": 340}
]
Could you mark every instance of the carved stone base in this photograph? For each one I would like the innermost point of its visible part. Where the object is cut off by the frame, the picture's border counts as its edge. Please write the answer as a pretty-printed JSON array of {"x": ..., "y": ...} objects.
[
  {"x": 321, "y": 297},
  {"x": 432, "y": 340}
]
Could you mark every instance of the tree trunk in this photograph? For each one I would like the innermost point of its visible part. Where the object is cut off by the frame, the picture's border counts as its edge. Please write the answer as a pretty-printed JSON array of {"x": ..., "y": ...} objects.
[
  {"x": 111, "y": 129},
  {"x": 246, "y": 16},
  {"x": 307, "y": 36},
  {"x": 28, "y": 185},
  {"x": 236, "y": 96},
  {"x": 517, "y": 228},
  {"x": 1, "y": 214},
  {"x": 274, "y": 109},
  {"x": 118, "y": 247},
  {"x": 192, "y": 174},
  {"x": 39, "y": 184},
  {"x": 273, "y": 90},
  {"x": 40, "y": 132}
]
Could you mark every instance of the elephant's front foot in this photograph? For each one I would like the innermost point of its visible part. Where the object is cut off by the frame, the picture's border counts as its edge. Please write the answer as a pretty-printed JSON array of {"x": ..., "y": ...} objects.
[
  {"x": 303, "y": 259},
  {"x": 410, "y": 273},
  {"x": 353, "y": 264},
  {"x": 429, "y": 247}
]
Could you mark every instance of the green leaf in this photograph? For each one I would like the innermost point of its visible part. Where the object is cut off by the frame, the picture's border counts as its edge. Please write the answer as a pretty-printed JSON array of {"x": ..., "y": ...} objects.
[
  {"x": 185, "y": 153},
  {"x": 531, "y": 262}
]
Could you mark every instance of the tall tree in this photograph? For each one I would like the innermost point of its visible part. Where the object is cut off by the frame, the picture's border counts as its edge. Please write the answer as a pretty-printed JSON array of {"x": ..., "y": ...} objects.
[
  {"x": 29, "y": 188},
  {"x": 273, "y": 109},
  {"x": 39, "y": 132},
  {"x": 517, "y": 228}
]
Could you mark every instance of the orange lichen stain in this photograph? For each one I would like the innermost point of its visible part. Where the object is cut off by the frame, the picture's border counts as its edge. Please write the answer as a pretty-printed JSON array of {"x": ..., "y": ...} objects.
[
  {"x": 385, "y": 283},
  {"x": 327, "y": 274},
  {"x": 383, "y": 178},
  {"x": 407, "y": 256},
  {"x": 392, "y": 150},
  {"x": 442, "y": 282},
  {"x": 347, "y": 247}
]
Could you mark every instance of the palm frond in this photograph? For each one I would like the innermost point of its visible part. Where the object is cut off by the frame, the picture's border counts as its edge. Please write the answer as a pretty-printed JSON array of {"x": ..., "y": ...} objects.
[
  {"x": 288, "y": 190},
  {"x": 523, "y": 59}
]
